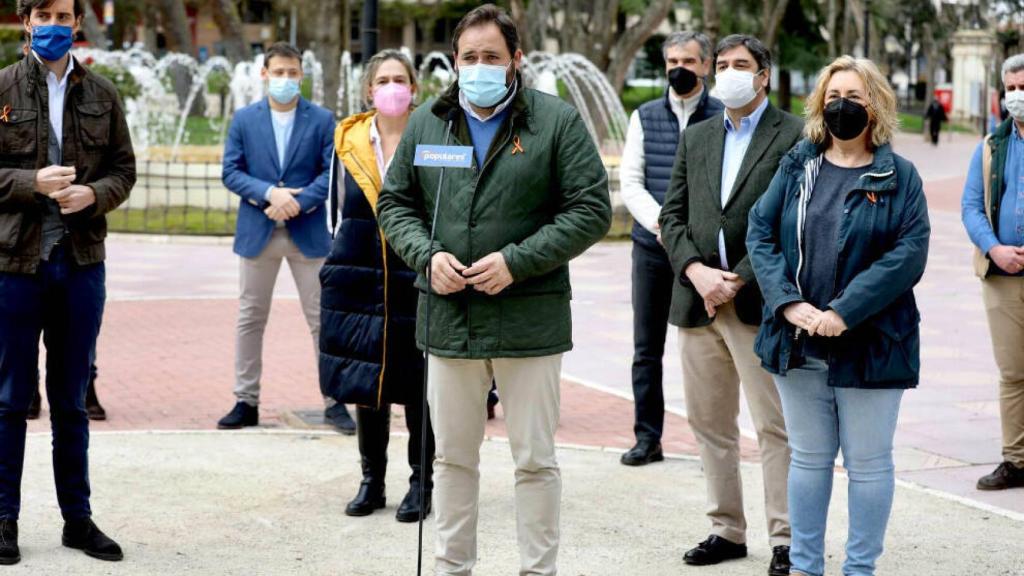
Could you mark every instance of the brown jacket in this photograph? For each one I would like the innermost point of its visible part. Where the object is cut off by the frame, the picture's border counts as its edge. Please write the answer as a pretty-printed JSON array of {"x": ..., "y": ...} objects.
[{"x": 96, "y": 143}]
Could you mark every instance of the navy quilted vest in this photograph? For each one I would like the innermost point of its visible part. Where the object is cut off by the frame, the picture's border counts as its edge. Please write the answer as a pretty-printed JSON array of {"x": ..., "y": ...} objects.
[
  {"x": 661, "y": 139},
  {"x": 367, "y": 314}
]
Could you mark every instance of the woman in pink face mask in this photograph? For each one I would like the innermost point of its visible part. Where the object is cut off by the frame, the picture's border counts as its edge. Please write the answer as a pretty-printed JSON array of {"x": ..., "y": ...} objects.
[{"x": 368, "y": 353}]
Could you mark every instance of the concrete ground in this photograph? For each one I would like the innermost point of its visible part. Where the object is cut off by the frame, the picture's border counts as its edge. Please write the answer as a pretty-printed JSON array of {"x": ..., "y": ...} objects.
[{"x": 270, "y": 503}]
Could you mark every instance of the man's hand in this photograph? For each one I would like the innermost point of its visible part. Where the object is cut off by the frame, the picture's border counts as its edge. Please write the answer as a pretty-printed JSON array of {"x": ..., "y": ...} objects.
[
  {"x": 489, "y": 275},
  {"x": 828, "y": 324},
  {"x": 54, "y": 179},
  {"x": 74, "y": 198},
  {"x": 446, "y": 274},
  {"x": 1009, "y": 258},
  {"x": 657, "y": 234},
  {"x": 715, "y": 286},
  {"x": 283, "y": 205},
  {"x": 802, "y": 315}
]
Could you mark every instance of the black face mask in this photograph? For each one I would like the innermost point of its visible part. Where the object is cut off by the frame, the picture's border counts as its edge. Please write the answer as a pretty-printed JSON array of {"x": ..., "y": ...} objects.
[
  {"x": 845, "y": 119},
  {"x": 682, "y": 80}
]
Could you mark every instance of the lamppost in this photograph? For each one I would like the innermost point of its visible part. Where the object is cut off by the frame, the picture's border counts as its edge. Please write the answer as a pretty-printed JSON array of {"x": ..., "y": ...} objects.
[{"x": 368, "y": 38}]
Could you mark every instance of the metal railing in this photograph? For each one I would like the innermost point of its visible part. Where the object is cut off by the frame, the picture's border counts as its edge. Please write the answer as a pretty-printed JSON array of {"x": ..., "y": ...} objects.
[{"x": 177, "y": 198}]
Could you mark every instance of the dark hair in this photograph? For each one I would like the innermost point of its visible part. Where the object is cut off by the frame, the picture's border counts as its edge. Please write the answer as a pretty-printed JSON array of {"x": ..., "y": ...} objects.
[
  {"x": 761, "y": 54},
  {"x": 25, "y": 7},
  {"x": 282, "y": 49},
  {"x": 487, "y": 14}
]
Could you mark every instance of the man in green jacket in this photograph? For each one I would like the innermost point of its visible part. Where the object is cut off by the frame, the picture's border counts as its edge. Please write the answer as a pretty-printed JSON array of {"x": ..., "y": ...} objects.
[
  {"x": 722, "y": 167},
  {"x": 536, "y": 197}
]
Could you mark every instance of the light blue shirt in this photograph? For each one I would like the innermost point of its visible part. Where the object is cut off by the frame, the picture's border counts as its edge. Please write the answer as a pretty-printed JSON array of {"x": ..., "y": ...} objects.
[
  {"x": 284, "y": 124},
  {"x": 56, "y": 90},
  {"x": 737, "y": 140},
  {"x": 1010, "y": 228}
]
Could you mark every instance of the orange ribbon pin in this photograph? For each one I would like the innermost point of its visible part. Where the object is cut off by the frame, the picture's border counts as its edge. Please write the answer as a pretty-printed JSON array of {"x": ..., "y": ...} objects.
[
  {"x": 517, "y": 146},
  {"x": 872, "y": 197},
  {"x": 5, "y": 115}
]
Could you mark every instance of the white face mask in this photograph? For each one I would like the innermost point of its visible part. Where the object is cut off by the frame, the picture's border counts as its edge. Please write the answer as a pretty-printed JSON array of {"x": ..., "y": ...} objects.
[
  {"x": 1015, "y": 104},
  {"x": 735, "y": 87}
]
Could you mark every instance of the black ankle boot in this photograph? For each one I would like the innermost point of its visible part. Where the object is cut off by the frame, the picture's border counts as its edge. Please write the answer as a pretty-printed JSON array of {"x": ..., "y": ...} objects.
[
  {"x": 369, "y": 498},
  {"x": 82, "y": 534},
  {"x": 409, "y": 509},
  {"x": 36, "y": 406},
  {"x": 92, "y": 403},
  {"x": 9, "y": 552}
]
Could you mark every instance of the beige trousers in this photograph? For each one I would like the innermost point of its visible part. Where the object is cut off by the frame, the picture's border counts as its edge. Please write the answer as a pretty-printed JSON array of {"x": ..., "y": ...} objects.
[
  {"x": 717, "y": 359},
  {"x": 257, "y": 278},
  {"x": 530, "y": 397},
  {"x": 1004, "y": 304}
]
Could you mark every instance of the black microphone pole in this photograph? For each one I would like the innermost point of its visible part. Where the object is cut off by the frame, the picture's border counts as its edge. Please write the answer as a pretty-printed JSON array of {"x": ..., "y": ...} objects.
[{"x": 424, "y": 411}]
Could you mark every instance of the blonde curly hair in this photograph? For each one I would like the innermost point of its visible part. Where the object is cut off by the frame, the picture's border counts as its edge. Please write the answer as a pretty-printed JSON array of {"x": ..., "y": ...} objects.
[{"x": 881, "y": 102}]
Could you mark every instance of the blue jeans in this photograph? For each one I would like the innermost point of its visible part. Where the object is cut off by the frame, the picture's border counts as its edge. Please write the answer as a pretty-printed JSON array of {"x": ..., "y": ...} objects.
[
  {"x": 64, "y": 302},
  {"x": 821, "y": 420}
]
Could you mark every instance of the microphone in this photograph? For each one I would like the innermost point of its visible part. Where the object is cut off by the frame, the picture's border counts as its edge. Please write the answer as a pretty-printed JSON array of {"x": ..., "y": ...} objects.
[{"x": 424, "y": 412}]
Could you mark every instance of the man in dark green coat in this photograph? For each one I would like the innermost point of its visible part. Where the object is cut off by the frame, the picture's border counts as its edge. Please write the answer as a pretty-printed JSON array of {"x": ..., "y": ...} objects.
[
  {"x": 722, "y": 167},
  {"x": 535, "y": 197}
]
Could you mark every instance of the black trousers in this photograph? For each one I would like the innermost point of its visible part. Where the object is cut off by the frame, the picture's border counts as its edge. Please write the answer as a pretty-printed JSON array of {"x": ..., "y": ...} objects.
[
  {"x": 652, "y": 297},
  {"x": 374, "y": 429}
]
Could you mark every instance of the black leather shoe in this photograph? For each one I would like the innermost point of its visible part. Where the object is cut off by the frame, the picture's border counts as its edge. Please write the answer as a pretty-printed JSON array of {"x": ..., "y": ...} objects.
[
  {"x": 492, "y": 402},
  {"x": 1006, "y": 475},
  {"x": 85, "y": 536},
  {"x": 780, "y": 562},
  {"x": 241, "y": 415},
  {"x": 9, "y": 552},
  {"x": 339, "y": 418},
  {"x": 369, "y": 499},
  {"x": 713, "y": 551},
  {"x": 92, "y": 403},
  {"x": 643, "y": 453},
  {"x": 409, "y": 509},
  {"x": 36, "y": 406}
]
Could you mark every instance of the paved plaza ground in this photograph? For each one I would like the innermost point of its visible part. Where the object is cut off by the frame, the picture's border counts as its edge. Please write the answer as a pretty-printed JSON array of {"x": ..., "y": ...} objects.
[{"x": 185, "y": 500}]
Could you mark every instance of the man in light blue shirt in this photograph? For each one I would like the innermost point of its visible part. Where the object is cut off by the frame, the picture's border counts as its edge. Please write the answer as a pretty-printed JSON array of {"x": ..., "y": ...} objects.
[
  {"x": 722, "y": 168},
  {"x": 993, "y": 214}
]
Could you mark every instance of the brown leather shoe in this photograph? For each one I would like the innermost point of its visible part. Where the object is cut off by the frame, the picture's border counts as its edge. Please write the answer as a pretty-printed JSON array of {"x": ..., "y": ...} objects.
[{"x": 92, "y": 403}]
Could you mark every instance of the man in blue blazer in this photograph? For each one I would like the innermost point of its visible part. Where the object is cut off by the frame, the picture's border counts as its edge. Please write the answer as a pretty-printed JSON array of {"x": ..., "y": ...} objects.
[{"x": 277, "y": 159}]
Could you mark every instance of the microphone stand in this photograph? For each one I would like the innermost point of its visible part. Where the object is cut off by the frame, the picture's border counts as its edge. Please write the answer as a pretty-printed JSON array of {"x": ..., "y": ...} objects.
[{"x": 425, "y": 413}]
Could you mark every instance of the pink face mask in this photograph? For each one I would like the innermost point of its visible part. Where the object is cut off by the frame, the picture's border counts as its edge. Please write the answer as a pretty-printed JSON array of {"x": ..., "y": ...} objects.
[{"x": 392, "y": 99}]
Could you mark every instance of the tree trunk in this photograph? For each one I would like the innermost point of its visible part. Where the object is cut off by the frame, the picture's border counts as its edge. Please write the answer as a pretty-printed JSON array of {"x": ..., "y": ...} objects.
[
  {"x": 532, "y": 21},
  {"x": 225, "y": 15},
  {"x": 712, "y": 23},
  {"x": 176, "y": 27},
  {"x": 327, "y": 42},
  {"x": 833, "y": 30},
  {"x": 91, "y": 26},
  {"x": 626, "y": 47},
  {"x": 150, "y": 22},
  {"x": 785, "y": 90},
  {"x": 771, "y": 17}
]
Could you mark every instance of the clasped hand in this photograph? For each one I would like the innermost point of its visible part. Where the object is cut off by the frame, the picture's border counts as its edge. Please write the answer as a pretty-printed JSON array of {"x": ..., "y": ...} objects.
[
  {"x": 813, "y": 321},
  {"x": 716, "y": 287},
  {"x": 489, "y": 275},
  {"x": 56, "y": 182},
  {"x": 283, "y": 205}
]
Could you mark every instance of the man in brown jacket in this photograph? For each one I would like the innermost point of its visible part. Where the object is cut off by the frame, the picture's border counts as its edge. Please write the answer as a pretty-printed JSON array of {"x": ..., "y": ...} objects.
[{"x": 66, "y": 160}]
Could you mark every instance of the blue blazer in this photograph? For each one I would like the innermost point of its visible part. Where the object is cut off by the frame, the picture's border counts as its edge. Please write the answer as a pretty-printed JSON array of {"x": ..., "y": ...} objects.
[{"x": 251, "y": 166}]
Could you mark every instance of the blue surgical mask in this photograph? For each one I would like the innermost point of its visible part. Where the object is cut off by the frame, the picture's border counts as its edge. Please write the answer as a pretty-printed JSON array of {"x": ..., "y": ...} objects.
[
  {"x": 283, "y": 90},
  {"x": 51, "y": 43},
  {"x": 483, "y": 84}
]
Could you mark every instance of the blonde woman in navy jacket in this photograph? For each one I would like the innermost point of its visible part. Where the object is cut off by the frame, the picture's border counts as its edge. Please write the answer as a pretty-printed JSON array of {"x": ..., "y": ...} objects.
[{"x": 837, "y": 243}]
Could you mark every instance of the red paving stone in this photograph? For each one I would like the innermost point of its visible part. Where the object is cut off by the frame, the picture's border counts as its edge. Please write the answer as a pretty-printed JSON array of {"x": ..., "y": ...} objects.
[{"x": 168, "y": 365}]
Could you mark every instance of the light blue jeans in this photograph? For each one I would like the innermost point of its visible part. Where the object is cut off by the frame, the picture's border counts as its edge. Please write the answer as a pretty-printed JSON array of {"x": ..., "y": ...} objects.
[{"x": 821, "y": 420}]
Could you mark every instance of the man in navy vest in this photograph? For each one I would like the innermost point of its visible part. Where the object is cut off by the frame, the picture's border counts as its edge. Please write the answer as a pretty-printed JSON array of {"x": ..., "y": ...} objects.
[
  {"x": 646, "y": 167},
  {"x": 277, "y": 159}
]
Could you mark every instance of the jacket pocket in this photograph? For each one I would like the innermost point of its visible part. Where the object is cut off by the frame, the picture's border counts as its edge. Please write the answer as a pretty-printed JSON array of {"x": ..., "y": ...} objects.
[
  {"x": 94, "y": 120},
  {"x": 768, "y": 343},
  {"x": 18, "y": 133},
  {"x": 10, "y": 229},
  {"x": 892, "y": 351}
]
